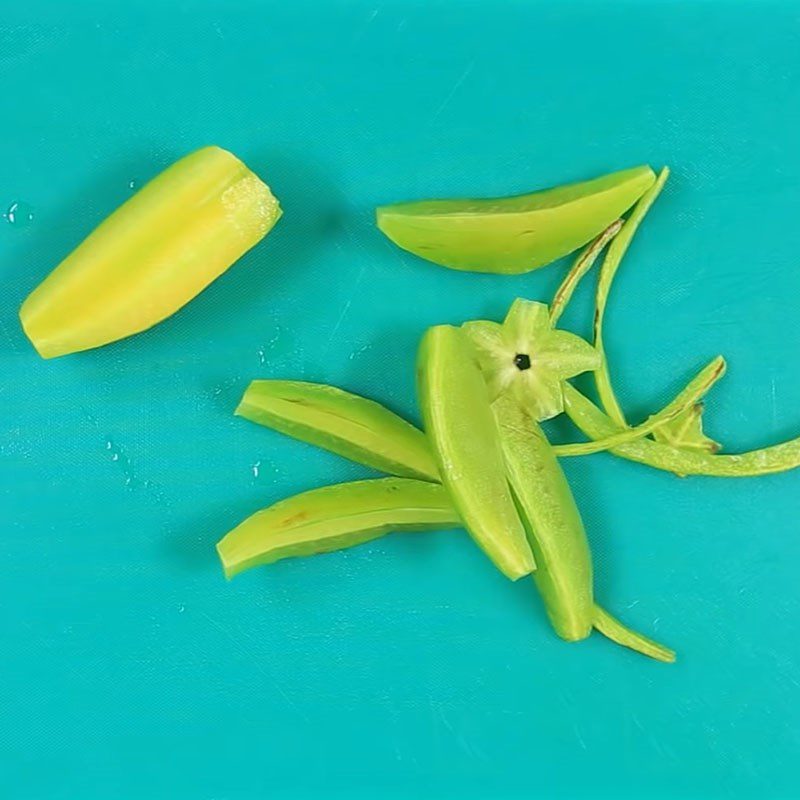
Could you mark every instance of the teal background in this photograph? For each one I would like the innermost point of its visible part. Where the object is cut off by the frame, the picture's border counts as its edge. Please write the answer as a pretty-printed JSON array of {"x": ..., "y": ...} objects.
[{"x": 407, "y": 667}]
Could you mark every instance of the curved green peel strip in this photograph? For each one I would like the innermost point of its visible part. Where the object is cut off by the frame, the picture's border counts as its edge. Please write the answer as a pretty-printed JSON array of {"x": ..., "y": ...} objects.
[
  {"x": 552, "y": 520},
  {"x": 344, "y": 423},
  {"x": 686, "y": 432},
  {"x": 157, "y": 251},
  {"x": 621, "y": 634},
  {"x": 463, "y": 434},
  {"x": 583, "y": 263},
  {"x": 678, "y": 408},
  {"x": 608, "y": 270},
  {"x": 511, "y": 235},
  {"x": 597, "y": 425},
  {"x": 333, "y": 518}
]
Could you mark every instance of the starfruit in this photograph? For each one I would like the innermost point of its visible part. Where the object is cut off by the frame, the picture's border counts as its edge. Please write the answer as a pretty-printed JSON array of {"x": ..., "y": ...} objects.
[
  {"x": 510, "y": 235},
  {"x": 152, "y": 255},
  {"x": 463, "y": 433}
]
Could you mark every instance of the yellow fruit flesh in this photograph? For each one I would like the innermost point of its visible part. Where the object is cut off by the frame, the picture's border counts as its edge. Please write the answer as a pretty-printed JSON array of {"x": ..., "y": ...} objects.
[{"x": 152, "y": 255}]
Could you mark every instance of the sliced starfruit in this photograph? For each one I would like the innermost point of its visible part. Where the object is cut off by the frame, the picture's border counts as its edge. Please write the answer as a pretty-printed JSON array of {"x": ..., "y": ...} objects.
[
  {"x": 552, "y": 521},
  {"x": 344, "y": 423},
  {"x": 463, "y": 433},
  {"x": 335, "y": 517},
  {"x": 152, "y": 255},
  {"x": 510, "y": 235}
]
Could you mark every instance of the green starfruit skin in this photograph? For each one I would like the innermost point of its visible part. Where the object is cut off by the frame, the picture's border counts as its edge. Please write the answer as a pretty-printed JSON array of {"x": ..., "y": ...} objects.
[{"x": 682, "y": 460}]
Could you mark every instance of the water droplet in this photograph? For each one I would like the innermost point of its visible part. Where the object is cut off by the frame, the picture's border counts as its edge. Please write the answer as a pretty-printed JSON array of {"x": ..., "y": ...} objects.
[
  {"x": 89, "y": 418},
  {"x": 311, "y": 369},
  {"x": 256, "y": 468},
  {"x": 216, "y": 391},
  {"x": 361, "y": 350},
  {"x": 274, "y": 345},
  {"x": 16, "y": 444},
  {"x": 119, "y": 457},
  {"x": 132, "y": 183},
  {"x": 19, "y": 214},
  {"x": 181, "y": 609}
]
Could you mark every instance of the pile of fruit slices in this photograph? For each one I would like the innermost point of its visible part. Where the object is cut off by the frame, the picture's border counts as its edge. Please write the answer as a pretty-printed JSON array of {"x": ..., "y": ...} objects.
[{"x": 483, "y": 461}]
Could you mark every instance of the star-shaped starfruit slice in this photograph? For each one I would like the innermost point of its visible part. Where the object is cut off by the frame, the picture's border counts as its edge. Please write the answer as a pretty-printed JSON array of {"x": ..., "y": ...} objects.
[{"x": 528, "y": 358}]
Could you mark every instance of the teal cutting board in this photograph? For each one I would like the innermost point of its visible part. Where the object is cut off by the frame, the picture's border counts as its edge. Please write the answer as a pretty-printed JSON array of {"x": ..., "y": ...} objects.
[{"x": 407, "y": 667}]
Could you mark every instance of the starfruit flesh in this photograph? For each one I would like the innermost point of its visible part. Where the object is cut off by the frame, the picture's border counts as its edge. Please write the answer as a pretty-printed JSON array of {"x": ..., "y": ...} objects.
[
  {"x": 552, "y": 520},
  {"x": 152, "y": 255},
  {"x": 335, "y": 517},
  {"x": 346, "y": 424},
  {"x": 511, "y": 235},
  {"x": 463, "y": 433}
]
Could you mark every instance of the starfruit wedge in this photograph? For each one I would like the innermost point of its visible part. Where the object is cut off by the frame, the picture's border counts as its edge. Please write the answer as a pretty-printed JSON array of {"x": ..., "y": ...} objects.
[
  {"x": 552, "y": 521},
  {"x": 510, "y": 235},
  {"x": 344, "y": 423},
  {"x": 152, "y": 255},
  {"x": 463, "y": 432},
  {"x": 335, "y": 517}
]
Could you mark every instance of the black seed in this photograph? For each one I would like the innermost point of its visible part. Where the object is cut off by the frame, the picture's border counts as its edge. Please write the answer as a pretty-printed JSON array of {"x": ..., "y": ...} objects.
[{"x": 522, "y": 361}]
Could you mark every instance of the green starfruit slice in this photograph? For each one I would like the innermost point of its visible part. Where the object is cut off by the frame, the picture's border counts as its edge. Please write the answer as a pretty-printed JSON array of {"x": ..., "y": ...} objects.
[
  {"x": 344, "y": 423},
  {"x": 335, "y": 517},
  {"x": 511, "y": 235},
  {"x": 464, "y": 437}
]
